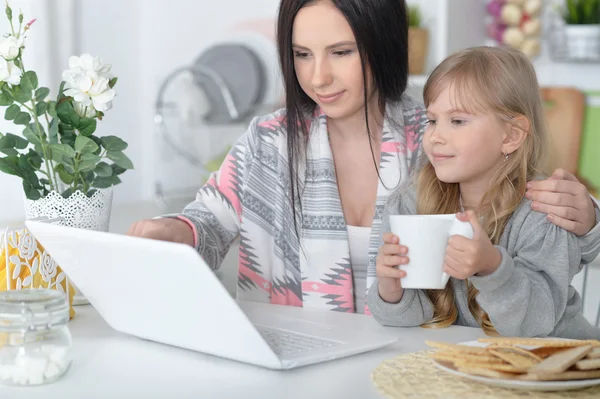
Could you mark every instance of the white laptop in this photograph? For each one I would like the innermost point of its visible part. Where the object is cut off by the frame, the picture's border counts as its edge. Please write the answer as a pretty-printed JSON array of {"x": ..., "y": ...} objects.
[{"x": 165, "y": 292}]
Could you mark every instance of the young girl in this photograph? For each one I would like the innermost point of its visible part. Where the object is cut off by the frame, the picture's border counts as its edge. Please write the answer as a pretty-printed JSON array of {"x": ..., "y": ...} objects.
[{"x": 484, "y": 140}]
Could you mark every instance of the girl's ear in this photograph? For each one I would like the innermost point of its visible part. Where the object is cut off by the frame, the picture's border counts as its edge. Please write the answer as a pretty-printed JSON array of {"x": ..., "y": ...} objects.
[{"x": 517, "y": 132}]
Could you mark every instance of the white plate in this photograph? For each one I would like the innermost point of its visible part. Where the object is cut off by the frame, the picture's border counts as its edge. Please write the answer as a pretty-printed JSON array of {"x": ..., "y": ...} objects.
[{"x": 521, "y": 385}]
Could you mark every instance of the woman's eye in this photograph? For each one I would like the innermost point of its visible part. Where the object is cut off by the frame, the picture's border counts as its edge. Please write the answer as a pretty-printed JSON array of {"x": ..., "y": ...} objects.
[
  {"x": 430, "y": 121},
  {"x": 342, "y": 53},
  {"x": 300, "y": 54}
]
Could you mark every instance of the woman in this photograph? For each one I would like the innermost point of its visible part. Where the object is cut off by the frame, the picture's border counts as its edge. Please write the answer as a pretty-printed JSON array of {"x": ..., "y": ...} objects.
[{"x": 304, "y": 187}]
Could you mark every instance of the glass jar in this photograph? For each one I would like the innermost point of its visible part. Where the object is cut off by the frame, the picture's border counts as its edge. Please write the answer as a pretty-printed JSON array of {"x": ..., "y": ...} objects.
[{"x": 35, "y": 341}]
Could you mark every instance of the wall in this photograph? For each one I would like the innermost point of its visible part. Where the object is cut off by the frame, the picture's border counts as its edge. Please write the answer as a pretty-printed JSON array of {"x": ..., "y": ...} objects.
[{"x": 144, "y": 40}]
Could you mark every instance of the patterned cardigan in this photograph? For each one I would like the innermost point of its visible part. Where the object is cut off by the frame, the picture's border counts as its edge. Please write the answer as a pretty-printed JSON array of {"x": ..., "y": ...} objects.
[{"x": 248, "y": 199}]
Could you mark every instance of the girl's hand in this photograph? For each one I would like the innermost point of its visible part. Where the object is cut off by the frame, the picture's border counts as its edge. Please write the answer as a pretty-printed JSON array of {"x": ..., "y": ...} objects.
[
  {"x": 465, "y": 257},
  {"x": 565, "y": 200},
  {"x": 391, "y": 254}
]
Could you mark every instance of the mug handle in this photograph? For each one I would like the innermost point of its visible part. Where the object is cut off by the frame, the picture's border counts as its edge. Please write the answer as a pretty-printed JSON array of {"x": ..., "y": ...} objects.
[{"x": 462, "y": 229}]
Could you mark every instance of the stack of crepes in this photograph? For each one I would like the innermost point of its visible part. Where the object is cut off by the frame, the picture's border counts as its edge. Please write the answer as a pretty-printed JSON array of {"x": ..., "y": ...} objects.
[
  {"x": 525, "y": 359},
  {"x": 24, "y": 264}
]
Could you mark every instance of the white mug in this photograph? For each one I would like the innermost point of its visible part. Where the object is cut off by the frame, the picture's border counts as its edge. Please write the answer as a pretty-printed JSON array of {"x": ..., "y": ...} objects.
[{"x": 426, "y": 237}]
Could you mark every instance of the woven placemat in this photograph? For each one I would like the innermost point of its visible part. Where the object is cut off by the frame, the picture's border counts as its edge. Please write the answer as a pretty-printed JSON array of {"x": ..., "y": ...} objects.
[{"x": 415, "y": 376}]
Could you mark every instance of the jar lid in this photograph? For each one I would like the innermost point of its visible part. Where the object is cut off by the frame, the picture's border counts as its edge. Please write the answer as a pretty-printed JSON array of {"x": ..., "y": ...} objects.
[{"x": 32, "y": 309}]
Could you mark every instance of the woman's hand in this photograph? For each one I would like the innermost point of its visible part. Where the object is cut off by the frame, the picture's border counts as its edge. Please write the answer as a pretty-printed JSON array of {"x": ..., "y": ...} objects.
[
  {"x": 391, "y": 254},
  {"x": 565, "y": 200},
  {"x": 468, "y": 257},
  {"x": 164, "y": 229}
]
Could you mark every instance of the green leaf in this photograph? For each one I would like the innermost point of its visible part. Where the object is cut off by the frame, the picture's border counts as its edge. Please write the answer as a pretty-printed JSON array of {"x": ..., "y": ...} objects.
[
  {"x": 5, "y": 100},
  {"x": 64, "y": 128},
  {"x": 31, "y": 191},
  {"x": 84, "y": 145},
  {"x": 29, "y": 81},
  {"x": 10, "y": 152},
  {"x": 32, "y": 136},
  {"x": 21, "y": 95},
  {"x": 105, "y": 182},
  {"x": 87, "y": 126},
  {"x": 120, "y": 159},
  {"x": 60, "y": 152},
  {"x": 99, "y": 142},
  {"x": 89, "y": 176},
  {"x": 88, "y": 162},
  {"x": 53, "y": 131},
  {"x": 52, "y": 109},
  {"x": 23, "y": 118},
  {"x": 41, "y": 93},
  {"x": 12, "y": 141},
  {"x": 61, "y": 90},
  {"x": 67, "y": 114},
  {"x": 20, "y": 142},
  {"x": 34, "y": 159},
  {"x": 69, "y": 138},
  {"x": 41, "y": 108},
  {"x": 69, "y": 165},
  {"x": 104, "y": 170},
  {"x": 28, "y": 172},
  {"x": 67, "y": 193},
  {"x": 10, "y": 165},
  {"x": 113, "y": 143},
  {"x": 12, "y": 112},
  {"x": 112, "y": 82},
  {"x": 117, "y": 170},
  {"x": 65, "y": 176}
]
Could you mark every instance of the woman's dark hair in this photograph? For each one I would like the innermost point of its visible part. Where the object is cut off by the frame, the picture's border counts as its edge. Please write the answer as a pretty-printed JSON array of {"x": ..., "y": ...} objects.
[{"x": 380, "y": 29}]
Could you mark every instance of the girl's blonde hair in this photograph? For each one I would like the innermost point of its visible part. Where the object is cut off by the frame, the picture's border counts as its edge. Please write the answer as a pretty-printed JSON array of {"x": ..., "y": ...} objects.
[{"x": 494, "y": 80}]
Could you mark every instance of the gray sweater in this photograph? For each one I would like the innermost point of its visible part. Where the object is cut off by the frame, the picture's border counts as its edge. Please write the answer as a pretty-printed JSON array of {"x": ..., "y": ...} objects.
[{"x": 529, "y": 295}]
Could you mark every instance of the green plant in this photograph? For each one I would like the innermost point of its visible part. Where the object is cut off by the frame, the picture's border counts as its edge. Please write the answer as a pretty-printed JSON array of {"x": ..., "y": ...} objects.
[
  {"x": 582, "y": 12},
  {"x": 414, "y": 16},
  {"x": 58, "y": 150}
]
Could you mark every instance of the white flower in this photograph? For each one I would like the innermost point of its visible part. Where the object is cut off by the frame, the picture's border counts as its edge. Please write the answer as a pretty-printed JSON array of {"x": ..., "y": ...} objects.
[
  {"x": 87, "y": 63},
  {"x": 87, "y": 81},
  {"x": 83, "y": 111},
  {"x": 9, "y": 72},
  {"x": 10, "y": 47}
]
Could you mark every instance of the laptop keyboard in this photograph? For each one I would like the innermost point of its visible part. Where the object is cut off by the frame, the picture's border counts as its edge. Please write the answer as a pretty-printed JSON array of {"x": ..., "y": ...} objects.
[{"x": 289, "y": 343}]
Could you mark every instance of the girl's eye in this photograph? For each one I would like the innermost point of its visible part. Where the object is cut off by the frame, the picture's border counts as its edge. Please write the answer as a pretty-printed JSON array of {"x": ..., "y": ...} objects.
[
  {"x": 430, "y": 121},
  {"x": 458, "y": 121},
  {"x": 300, "y": 54},
  {"x": 342, "y": 53}
]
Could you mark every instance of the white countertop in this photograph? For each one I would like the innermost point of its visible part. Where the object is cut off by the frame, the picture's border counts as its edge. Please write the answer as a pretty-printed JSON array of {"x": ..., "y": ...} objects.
[{"x": 108, "y": 364}]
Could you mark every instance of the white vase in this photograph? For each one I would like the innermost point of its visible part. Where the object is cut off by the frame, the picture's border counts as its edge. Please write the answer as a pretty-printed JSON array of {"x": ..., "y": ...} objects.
[
  {"x": 582, "y": 41},
  {"x": 79, "y": 211}
]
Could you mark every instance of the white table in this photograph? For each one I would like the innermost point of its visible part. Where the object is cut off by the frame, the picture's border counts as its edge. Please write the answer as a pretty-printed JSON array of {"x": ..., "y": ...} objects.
[{"x": 108, "y": 364}]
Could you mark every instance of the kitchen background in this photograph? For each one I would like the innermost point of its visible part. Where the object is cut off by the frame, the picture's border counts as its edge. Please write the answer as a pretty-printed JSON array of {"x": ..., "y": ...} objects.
[{"x": 150, "y": 41}]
